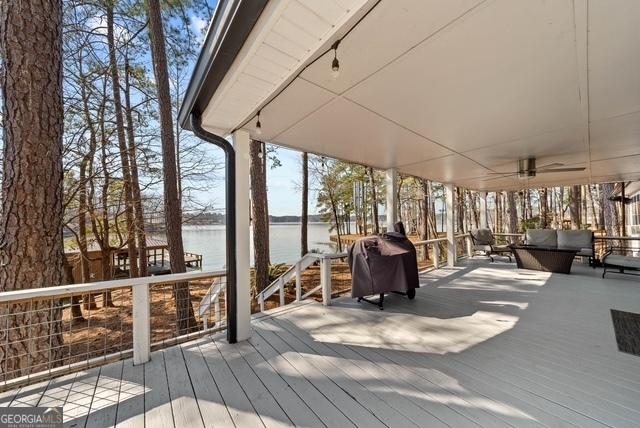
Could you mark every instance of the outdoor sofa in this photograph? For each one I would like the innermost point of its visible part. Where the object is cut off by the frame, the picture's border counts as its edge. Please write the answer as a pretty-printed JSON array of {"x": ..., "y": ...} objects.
[
  {"x": 552, "y": 250},
  {"x": 579, "y": 240}
]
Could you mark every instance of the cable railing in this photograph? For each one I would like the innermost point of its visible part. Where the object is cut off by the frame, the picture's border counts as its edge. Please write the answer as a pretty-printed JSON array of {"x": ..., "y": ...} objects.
[{"x": 50, "y": 331}]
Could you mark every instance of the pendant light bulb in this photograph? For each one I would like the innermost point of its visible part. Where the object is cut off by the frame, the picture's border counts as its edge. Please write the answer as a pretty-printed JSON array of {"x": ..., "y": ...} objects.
[
  {"x": 335, "y": 68},
  {"x": 258, "y": 125},
  {"x": 335, "y": 64}
]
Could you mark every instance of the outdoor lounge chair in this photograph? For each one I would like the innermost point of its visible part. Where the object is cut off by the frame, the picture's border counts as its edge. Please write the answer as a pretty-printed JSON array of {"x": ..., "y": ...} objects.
[
  {"x": 620, "y": 259},
  {"x": 485, "y": 242}
]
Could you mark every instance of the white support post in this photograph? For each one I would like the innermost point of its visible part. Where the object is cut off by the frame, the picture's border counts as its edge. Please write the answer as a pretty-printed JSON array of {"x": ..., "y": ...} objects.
[
  {"x": 298, "y": 283},
  {"x": 141, "y": 324},
  {"x": 451, "y": 240},
  {"x": 484, "y": 223},
  {"x": 281, "y": 290},
  {"x": 216, "y": 312},
  {"x": 391, "y": 209},
  {"x": 469, "y": 246},
  {"x": 241, "y": 142},
  {"x": 325, "y": 280},
  {"x": 436, "y": 255}
]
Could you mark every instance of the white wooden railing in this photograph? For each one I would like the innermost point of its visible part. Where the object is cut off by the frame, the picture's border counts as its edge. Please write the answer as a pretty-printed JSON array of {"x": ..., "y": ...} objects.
[
  {"x": 435, "y": 243},
  {"x": 325, "y": 260},
  {"x": 295, "y": 271},
  {"x": 212, "y": 297},
  {"x": 140, "y": 307}
]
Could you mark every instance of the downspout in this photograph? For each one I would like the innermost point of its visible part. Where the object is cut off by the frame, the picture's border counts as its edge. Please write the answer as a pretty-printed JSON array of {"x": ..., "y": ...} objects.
[{"x": 230, "y": 220}]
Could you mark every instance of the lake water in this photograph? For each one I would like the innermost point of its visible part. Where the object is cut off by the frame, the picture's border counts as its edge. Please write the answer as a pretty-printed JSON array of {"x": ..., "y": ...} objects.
[{"x": 284, "y": 242}]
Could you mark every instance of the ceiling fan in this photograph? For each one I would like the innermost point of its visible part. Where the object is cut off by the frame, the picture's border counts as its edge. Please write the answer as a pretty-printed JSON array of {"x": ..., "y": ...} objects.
[{"x": 527, "y": 169}]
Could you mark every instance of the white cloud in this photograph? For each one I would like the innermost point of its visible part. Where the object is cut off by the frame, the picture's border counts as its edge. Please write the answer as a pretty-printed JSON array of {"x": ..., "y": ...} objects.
[{"x": 199, "y": 27}]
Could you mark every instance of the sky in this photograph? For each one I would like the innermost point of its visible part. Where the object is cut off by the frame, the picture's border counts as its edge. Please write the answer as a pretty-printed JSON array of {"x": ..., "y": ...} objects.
[
  {"x": 283, "y": 186},
  {"x": 283, "y": 183}
]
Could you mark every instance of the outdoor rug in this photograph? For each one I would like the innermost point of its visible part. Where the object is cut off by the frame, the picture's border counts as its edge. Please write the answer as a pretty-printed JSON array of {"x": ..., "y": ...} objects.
[{"x": 627, "y": 328}]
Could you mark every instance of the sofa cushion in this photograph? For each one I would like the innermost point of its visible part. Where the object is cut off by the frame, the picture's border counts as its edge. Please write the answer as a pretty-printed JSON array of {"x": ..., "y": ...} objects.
[
  {"x": 585, "y": 252},
  {"x": 575, "y": 239},
  {"x": 541, "y": 237},
  {"x": 623, "y": 261}
]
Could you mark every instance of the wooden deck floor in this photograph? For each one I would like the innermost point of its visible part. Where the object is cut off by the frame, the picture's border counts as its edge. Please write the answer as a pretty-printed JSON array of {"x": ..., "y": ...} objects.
[{"x": 481, "y": 345}]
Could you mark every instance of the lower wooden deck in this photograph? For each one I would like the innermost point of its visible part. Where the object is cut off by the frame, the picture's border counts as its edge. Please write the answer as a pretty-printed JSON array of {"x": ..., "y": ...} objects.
[{"x": 481, "y": 345}]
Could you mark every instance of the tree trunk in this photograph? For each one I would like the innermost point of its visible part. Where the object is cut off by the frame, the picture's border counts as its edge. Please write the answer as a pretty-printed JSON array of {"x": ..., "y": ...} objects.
[
  {"x": 363, "y": 192},
  {"x": 173, "y": 212},
  {"x": 544, "y": 208},
  {"x": 460, "y": 209},
  {"x": 304, "y": 225},
  {"x": 592, "y": 207},
  {"x": 86, "y": 164},
  {"x": 31, "y": 247},
  {"x": 424, "y": 230},
  {"x": 76, "y": 309},
  {"x": 498, "y": 213},
  {"x": 136, "y": 194},
  {"x": 259, "y": 216},
  {"x": 374, "y": 203},
  {"x": 528, "y": 207},
  {"x": 574, "y": 206},
  {"x": 122, "y": 143},
  {"x": 512, "y": 212},
  {"x": 611, "y": 221}
]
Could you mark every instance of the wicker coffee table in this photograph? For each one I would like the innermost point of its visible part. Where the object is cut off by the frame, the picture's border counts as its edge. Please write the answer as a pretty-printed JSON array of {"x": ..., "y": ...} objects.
[{"x": 546, "y": 259}]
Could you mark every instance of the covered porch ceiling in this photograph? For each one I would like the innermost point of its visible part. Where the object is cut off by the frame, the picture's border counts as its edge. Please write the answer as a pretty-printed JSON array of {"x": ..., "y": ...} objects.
[{"x": 450, "y": 90}]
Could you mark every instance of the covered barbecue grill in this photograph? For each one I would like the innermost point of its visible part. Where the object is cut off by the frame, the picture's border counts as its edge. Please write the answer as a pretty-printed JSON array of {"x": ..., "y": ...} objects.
[{"x": 383, "y": 264}]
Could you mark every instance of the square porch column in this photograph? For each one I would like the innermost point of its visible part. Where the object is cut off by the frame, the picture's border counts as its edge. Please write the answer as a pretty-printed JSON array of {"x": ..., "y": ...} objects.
[
  {"x": 484, "y": 223},
  {"x": 391, "y": 209},
  {"x": 449, "y": 192},
  {"x": 241, "y": 141}
]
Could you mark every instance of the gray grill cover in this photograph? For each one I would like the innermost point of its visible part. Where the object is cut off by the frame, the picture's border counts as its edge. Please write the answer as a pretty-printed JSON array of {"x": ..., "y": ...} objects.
[{"x": 380, "y": 264}]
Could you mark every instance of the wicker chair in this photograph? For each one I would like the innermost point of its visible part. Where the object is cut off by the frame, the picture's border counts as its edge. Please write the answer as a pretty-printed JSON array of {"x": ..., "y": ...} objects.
[{"x": 485, "y": 242}]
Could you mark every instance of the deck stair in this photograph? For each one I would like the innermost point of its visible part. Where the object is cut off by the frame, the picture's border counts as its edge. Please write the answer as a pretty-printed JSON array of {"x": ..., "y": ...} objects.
[{"x": 295, "y": 272}]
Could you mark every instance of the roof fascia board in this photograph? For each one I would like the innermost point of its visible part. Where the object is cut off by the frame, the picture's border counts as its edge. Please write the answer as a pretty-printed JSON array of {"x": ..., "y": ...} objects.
[{"x": 231, "y": 25}]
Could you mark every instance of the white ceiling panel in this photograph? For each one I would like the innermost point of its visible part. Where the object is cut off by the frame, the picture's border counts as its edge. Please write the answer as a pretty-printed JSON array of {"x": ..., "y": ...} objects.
[
  {"x": 614, "y": 68},
  {"x": 562, "y": 146},
  {"x": 369, "y": 46},
  {"x": 618, "y": 136},
  {"x": 446, "y": 170},
  {"x": 621, "y": 167},
  {"x": 447, "y": 90},
  {"x": 346, "y": 131},
  {"x": 298, "y": 101},
  {"x": 503, "y": 72}
]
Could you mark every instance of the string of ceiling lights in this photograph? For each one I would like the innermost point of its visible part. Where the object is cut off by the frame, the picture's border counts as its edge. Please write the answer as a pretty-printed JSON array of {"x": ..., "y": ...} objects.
[{"x": 335, "y": 72}]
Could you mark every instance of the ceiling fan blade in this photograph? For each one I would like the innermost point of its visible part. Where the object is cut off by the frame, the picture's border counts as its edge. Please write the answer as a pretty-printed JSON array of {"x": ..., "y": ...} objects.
[
  {"x": 551, "y": 165},
  {"x": 560, "y": 170},
  {"x": 499, "y": 175}
]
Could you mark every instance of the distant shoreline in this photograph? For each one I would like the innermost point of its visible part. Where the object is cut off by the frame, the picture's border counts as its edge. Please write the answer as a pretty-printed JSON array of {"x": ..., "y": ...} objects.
[{"x": 289, "y": 223}]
